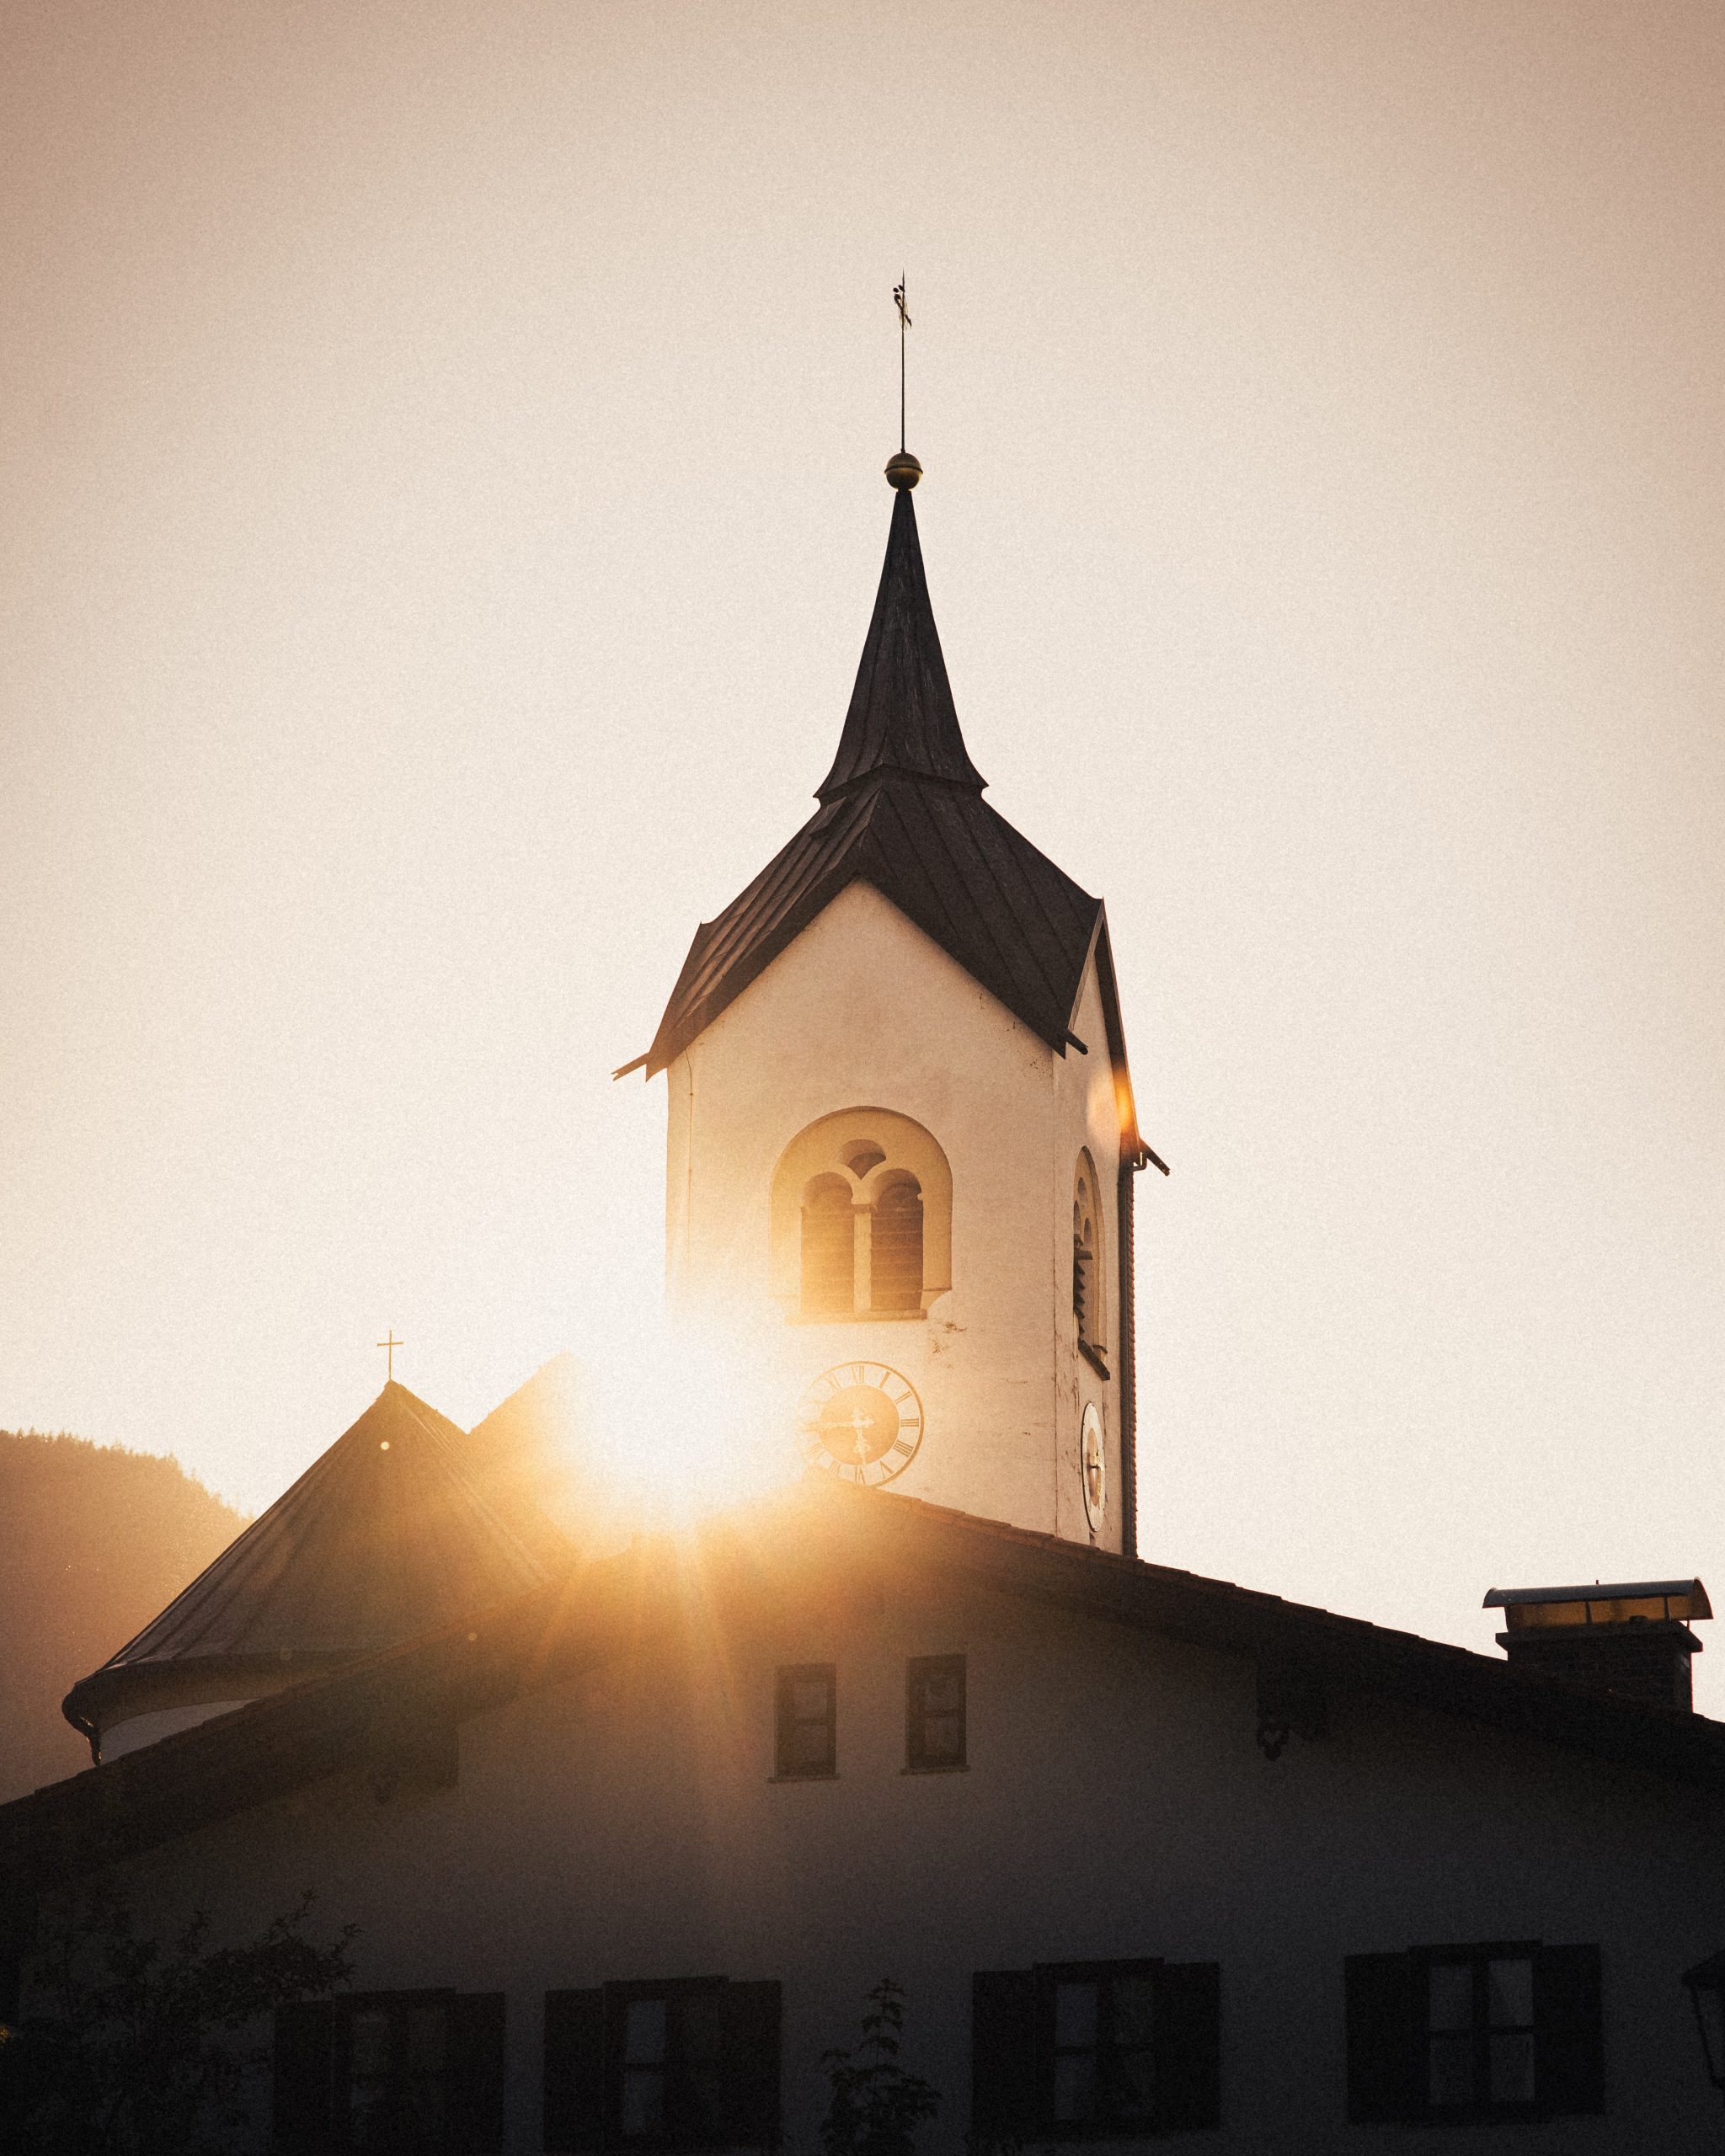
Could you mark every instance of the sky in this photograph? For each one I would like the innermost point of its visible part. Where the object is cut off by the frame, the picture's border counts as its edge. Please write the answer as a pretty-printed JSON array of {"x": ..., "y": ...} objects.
[{"x": 442, "y": 455}]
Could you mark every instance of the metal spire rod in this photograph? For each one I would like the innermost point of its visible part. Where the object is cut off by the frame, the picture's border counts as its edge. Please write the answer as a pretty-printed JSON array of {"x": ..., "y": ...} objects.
[{"x": 904, "y": 324}]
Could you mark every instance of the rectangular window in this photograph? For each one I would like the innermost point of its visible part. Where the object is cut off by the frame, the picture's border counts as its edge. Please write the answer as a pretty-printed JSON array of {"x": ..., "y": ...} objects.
[
  {"x": 1092, "y": 2050},
  {"x": 807, "y": 1735},
  {"x": 667, "y": 2079},
  {"x": 421, "y": 2070},
  {"x": 397, "y": 2070},
  {"x": 934, "y": 1712},
  {"x": 1500, "y": 2032},
  {"x": 687, "y": 2064}
]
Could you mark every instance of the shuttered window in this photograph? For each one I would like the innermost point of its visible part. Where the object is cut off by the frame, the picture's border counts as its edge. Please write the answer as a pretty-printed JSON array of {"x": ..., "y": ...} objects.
[
  {"x": 682, "y": 2065},
  {"x": 1095, "y": 2050},
  {"x": 1496, "y": 2032},
  {"x": 392, "y": 2070}
]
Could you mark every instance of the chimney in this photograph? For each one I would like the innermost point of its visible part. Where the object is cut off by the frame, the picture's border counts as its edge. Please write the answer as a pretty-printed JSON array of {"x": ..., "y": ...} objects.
[{"x": 1630, "y": 1641}]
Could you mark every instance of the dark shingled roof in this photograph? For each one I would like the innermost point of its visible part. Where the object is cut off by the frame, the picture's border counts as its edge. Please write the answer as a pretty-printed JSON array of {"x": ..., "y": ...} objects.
[
  {"x": 902, "y": 809},
  {"x": 384, "y": 1537}
]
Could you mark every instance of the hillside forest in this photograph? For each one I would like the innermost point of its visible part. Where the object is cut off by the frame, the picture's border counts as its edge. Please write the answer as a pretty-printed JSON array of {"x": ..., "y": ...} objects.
[{"x": 94, "y": 1541}]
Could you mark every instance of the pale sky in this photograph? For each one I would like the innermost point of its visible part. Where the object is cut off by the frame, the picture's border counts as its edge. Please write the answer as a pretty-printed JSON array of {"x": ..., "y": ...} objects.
[{"x": 440, "y": 446}]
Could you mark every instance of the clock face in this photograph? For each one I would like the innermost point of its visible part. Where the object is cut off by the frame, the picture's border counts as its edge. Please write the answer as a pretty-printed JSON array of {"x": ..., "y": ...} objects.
[
  {"x": 1093, "y": 1466},
  {"x": 862, "y": 1421}
]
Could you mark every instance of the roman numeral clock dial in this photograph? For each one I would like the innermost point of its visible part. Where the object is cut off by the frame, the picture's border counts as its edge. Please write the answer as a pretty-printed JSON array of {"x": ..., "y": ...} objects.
[{"x": 862, "y": 1421}]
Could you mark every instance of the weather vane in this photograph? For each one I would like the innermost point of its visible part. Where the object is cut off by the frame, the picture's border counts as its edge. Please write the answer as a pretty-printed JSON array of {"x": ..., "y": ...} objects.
[
  {"x": 904, "y": 324},
  {"x": 390, "y": 1346}
]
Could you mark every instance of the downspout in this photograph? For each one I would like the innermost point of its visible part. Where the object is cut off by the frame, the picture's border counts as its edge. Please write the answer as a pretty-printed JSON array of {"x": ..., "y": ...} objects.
[{"x": 1129, "y": 1360}]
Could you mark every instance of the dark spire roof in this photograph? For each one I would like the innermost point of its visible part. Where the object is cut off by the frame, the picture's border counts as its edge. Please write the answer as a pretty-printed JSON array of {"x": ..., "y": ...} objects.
[
  {"x": 382, "y": 1537},
  {"x": 902, "y": 809},
  {"x": 901, "y": 717}
]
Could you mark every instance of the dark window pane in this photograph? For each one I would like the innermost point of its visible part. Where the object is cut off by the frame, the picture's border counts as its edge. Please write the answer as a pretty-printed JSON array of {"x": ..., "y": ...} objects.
[
  {"x": 1132, "y": 2000},
  {"x": 1451, "y": 2079},
  {"x": 811, "y": 1748},
  {"x": 643, "y": 2032},
  {"x": 1512, "y": 2069},
  {"x": 643, "y": 2102},
  {"x": 370, "y": 2043},
  {"x": 895, "y": 1249},
  {"x": 1451, "y": 1995},
  {"x": 943, "y": 1741},
  {"x": 828, "y": 1249},
  {"x": 1509, "y": 1992},
  {"x": 1075, "y": 2085},
  {"x": 425, "y": 2039},
  {"x": 1133, "y": 2085},
  {"x": 1075, "y": 2016}
]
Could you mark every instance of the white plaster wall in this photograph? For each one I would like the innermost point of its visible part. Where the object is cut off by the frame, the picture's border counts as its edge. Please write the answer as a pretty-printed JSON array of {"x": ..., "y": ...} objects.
[
  {"x": 864, "y": 1010},
  {"x": 124, "y": 1737},
  {"x": 625, "y": 1825}
]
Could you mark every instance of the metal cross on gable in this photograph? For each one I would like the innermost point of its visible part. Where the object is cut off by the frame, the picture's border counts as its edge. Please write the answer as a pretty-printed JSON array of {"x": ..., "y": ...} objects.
[{"x": 391, "y": 1345}]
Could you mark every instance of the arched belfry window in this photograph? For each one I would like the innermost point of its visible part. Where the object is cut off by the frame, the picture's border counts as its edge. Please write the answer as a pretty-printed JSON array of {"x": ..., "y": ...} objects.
[
  {"x": 1089, "y": 1300},
  {"x": 862, "y": 1219}
]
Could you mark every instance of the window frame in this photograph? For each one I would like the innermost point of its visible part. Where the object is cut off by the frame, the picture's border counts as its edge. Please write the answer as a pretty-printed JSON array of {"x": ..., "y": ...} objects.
[
  {"x": 397, "y": 2005},
  {"x": 1390, "y": 2040},
  {"x": 680, "y": 2128},
  {"x": 919, "y": 1757},
  {"x": 1107, "y": 2124},
  {"x": 1480, "y": 2108},
  {"x": 786, "y": 1721}
]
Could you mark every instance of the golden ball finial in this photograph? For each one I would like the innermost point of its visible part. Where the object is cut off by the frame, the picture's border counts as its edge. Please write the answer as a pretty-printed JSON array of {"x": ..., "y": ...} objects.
[{"x": 902, "y": 469}]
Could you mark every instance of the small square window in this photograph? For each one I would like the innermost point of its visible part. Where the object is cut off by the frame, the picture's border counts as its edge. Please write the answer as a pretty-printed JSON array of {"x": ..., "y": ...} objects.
[
  {"x": 807, "y": 1734},
  {"x": 934, "y": 1713}
]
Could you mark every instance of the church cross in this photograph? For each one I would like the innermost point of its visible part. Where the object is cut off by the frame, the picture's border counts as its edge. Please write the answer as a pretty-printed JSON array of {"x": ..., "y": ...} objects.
[{"x": 390, "y": 1344}]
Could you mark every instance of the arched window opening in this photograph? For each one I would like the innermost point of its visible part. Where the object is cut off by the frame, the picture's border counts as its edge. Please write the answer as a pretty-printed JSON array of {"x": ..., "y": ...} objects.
[
  {"x": 828, "y": 1249},
  {"x": 896, "y": 1248},
  {"x": 1084, "y": 1271},
  {"x": 1089, "y": 1298},
  {"x": 861, "y": 1209}
]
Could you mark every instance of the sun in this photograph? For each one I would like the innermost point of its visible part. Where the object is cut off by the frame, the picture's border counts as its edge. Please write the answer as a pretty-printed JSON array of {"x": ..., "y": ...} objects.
[{"x": 689, "y": 1424}]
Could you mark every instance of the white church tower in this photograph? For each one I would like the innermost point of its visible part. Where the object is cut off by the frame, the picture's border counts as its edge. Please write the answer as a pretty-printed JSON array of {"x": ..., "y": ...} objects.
[{"x": 901, "y": 1137}]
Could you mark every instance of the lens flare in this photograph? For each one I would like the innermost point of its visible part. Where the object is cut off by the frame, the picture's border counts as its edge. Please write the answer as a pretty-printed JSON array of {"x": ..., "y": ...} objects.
[{"x": 687, "y": 1426}]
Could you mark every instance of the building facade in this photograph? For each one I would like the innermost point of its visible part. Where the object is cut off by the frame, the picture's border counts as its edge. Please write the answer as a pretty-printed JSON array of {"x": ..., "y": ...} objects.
[{"x": 628, "y": 1837}]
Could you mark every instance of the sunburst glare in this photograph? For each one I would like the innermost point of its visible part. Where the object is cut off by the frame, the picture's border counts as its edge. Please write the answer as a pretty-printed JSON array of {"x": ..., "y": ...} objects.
[{"x": 687, "y": 1424}]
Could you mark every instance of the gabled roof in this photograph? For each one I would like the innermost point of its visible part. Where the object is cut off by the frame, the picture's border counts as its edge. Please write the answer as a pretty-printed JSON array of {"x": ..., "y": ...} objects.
[
  {"x": 385, "y": 1706},
  {"x": 382, "y": 1538},
  {"x": 1013, "y": 921},
  {"x": 902, "y": 809}
]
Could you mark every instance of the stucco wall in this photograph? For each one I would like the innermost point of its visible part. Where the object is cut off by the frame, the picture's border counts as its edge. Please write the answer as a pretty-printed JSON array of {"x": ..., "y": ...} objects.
[
  {"x": 625, "y": 1825},
  {"x": 863, "y": 1009}
]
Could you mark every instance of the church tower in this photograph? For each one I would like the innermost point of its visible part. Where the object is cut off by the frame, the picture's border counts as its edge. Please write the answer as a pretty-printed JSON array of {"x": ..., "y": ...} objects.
[{"x": 902, "y": 1140}]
